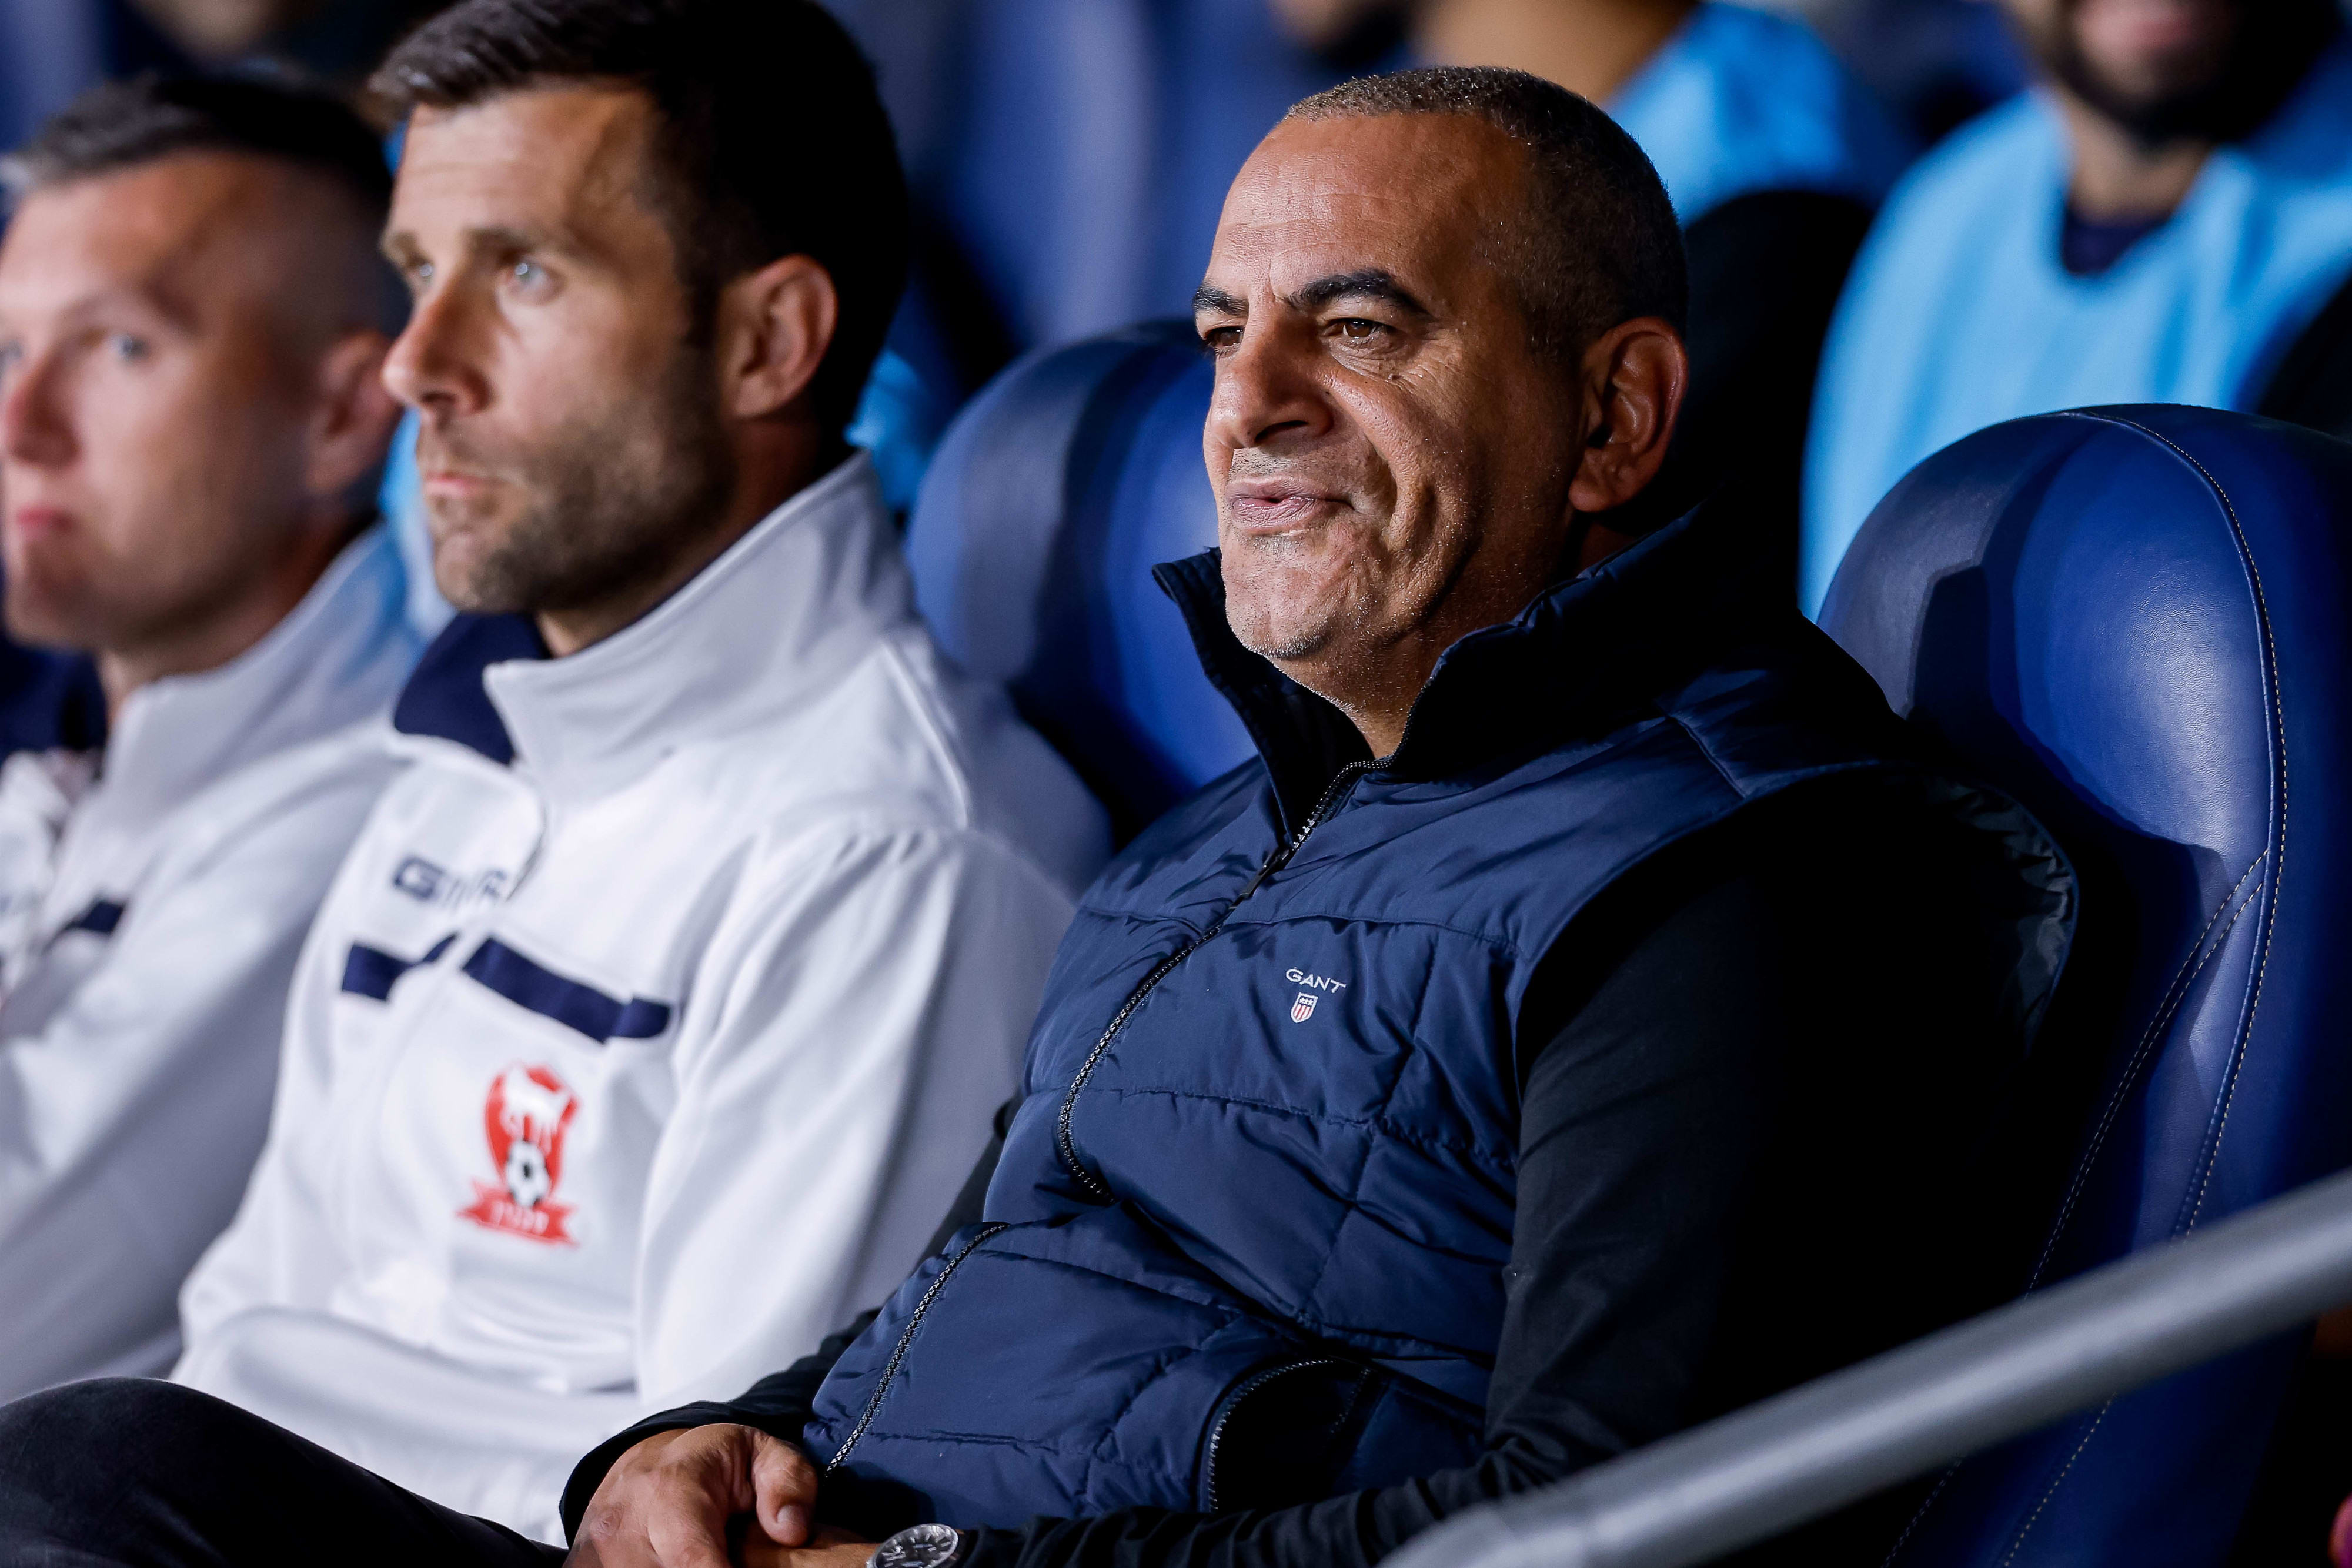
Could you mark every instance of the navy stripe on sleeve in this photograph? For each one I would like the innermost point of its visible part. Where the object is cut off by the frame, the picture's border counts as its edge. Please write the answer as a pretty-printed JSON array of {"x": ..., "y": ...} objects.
[
  {"x": 100, "y": 919},
  {"x": 370, "y": 971},
  {"x": 569, "y": 1002}
]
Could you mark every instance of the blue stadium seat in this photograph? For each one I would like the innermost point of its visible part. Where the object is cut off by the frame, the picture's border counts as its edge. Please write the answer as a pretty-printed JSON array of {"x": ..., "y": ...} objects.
[
  {"x": 2134, "y": 620},
  {"x": 1051, "y": 497}
]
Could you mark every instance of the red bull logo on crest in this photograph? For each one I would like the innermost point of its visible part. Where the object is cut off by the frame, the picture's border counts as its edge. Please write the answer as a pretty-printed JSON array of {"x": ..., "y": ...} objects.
[{"x": 529, "y": 1111}]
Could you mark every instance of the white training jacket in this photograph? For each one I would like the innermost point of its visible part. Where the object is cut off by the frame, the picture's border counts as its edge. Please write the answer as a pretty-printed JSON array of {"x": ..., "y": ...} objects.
[
  {"x": 153, "y": 904},
  {"x": 624, "y": 1066}
]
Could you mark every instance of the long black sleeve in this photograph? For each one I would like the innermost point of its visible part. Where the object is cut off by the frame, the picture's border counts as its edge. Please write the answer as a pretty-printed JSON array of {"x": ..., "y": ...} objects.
[
  {"x": 1636, "y": 1126},
  {"x": 1740, "y": 1084},
  {"x": 1749, "y": 1092}
]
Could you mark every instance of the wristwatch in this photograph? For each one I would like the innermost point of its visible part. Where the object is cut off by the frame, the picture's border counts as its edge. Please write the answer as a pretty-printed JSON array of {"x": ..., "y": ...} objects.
[{"x": 919, "y": 1546}]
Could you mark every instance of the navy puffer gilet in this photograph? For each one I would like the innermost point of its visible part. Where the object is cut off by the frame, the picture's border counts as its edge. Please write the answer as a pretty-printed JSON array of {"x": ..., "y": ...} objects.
[{"x": 1259, "y": 1196}]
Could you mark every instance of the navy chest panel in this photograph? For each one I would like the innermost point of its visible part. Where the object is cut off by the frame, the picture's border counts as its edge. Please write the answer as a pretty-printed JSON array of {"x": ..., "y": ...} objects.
[
  {"x": 1337, "y": 1146},
  {"x": 1319, "y": 1102}
]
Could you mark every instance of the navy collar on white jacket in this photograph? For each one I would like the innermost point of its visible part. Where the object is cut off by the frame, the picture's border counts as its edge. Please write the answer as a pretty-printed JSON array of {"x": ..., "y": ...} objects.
[{"x": 770, "y": 623}]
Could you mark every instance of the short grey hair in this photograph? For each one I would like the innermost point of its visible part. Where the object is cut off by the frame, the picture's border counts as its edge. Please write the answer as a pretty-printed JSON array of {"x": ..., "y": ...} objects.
[{"x": 1598, "y": 242}]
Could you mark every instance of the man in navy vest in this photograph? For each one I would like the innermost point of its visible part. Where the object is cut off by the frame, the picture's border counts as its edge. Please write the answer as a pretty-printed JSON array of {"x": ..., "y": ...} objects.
[{"x": 1579, "y": 1020}]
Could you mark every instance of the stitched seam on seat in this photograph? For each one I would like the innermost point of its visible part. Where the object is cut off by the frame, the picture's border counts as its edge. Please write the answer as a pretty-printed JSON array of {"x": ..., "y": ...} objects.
[
  {"x": 2017, "y": 1542},
  {"x": 2212, "y": 1153},
  {"x": 2171, "y": 1001},
  {"x": 1925, "y": 1504},
  {"x": 2174, "y": 995},
  {"x": 2195, "y": 1207}
]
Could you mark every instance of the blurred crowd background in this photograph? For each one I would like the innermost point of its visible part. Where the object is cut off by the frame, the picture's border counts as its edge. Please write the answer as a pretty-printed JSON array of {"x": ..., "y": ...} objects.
[{"x": 1069, "y": 156}]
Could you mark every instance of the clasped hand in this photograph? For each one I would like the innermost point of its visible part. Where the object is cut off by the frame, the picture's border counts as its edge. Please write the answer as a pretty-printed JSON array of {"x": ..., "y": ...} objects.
[{"x": 711, "y": 1496}]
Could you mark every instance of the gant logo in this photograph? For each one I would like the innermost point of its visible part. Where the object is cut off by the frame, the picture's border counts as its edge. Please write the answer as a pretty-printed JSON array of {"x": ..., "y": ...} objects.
[{"x": 1302, "y": 1007}]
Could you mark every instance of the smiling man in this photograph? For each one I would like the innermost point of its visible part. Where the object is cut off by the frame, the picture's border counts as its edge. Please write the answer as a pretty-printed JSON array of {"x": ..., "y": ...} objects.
[{"x": 1576, "y": 1022}]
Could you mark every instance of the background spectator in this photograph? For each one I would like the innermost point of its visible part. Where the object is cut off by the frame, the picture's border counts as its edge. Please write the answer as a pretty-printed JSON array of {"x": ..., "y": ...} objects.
[
  {"x": 2159, "y": 223},
  {"x": 192, "y": 317}
]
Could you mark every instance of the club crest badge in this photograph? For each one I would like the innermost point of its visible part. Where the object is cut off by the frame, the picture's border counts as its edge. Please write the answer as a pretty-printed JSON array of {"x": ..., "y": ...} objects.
[
  {"x": 529, "y": 1111},
  {"x": 1303, "y": 1008}
]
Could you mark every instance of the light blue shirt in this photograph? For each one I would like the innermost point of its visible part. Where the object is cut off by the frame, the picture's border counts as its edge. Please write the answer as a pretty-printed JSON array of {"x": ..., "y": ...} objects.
[
  {"x": 1958, "y": 314},
  {"x": 1740, "y": 101}
]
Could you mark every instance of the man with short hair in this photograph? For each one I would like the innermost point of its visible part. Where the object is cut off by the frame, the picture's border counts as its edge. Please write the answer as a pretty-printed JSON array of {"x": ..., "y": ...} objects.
[
  {"x": 2163, "y": 220},
  {"x": 682, "y": 964},
  {"x": 1577, "y": 1022},
  {"x": 193, "y": 320}
]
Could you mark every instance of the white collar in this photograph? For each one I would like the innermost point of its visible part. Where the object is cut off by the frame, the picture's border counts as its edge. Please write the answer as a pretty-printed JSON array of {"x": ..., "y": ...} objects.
[
  {"x": 771, "y": 623},
  {"x": 337, "y": 657}
]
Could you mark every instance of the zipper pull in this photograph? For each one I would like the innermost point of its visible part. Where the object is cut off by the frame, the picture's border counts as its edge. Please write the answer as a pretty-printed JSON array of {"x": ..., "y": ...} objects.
[{"x": 1274, "y": 862}]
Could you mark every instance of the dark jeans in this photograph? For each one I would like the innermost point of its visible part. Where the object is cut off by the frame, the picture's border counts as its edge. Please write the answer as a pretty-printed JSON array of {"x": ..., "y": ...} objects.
[{"x": 129, "y": 1470}]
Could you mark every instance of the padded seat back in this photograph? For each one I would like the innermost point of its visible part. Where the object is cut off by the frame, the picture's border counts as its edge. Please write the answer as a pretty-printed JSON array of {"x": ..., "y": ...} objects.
[
  {"x": 1050, "y": 500},
  {"x": 2134, "y": 620}
]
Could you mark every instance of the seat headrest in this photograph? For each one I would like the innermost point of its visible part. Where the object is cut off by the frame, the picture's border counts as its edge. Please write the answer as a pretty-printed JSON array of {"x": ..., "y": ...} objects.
[
  {"x": 2134, "y": 620},
  {"x": 1051, "y": 499},
  {"x": 2092, "y": 607}
]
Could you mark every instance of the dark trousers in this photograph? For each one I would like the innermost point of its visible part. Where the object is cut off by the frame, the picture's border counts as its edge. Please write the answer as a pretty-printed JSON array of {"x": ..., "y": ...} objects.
[{"x": 133, "y": 1471}]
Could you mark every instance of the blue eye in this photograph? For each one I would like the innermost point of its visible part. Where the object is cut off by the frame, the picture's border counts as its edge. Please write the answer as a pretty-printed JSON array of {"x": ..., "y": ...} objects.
[
  {"x": 530, "y": 276},
  {"x": 125, "y": 347}
]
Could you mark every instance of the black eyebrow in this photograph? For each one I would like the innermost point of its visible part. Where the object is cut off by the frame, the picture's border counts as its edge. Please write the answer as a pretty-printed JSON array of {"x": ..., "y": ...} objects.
[
  {"x": 1216, "y": 300},
  {"x": 492, "y": 240},
  {"x": 1366, "y": 283}
]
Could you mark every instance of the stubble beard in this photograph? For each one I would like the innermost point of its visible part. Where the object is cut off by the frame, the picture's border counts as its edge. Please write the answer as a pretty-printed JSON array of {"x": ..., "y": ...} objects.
[
  {"x": 1273, "y": 621},
  {"x": 2265, "y": 58},
  {"x": 606, "y": 507}
]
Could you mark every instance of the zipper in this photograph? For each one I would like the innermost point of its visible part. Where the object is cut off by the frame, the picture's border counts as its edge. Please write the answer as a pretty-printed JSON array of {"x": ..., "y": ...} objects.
[
  {"x": 906, "y": 1338},
  {"x": 1233, "y": 1402},
  {"x": 1340, "y": 783}
]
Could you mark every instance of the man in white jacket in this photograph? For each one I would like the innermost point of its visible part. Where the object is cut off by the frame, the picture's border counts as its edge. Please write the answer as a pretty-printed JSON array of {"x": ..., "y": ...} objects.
[
  {"x": 191, "y": 326},
  {"x": 665, "y": 999}
]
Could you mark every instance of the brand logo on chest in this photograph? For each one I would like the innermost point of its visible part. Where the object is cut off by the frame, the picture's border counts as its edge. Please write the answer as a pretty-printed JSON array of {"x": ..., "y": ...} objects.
[
  {"x": 529, "y": 1111},
  {"x": 1302, "y": 1007},
  {"x": 427, "y": 882}
]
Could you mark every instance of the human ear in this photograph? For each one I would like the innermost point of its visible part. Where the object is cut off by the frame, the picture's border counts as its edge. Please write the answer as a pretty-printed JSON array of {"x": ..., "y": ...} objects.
[
  {"x": 353, "y": 416},
  {"x": 774, "y": 326},
  {"x": 1633, "y": 376}
]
